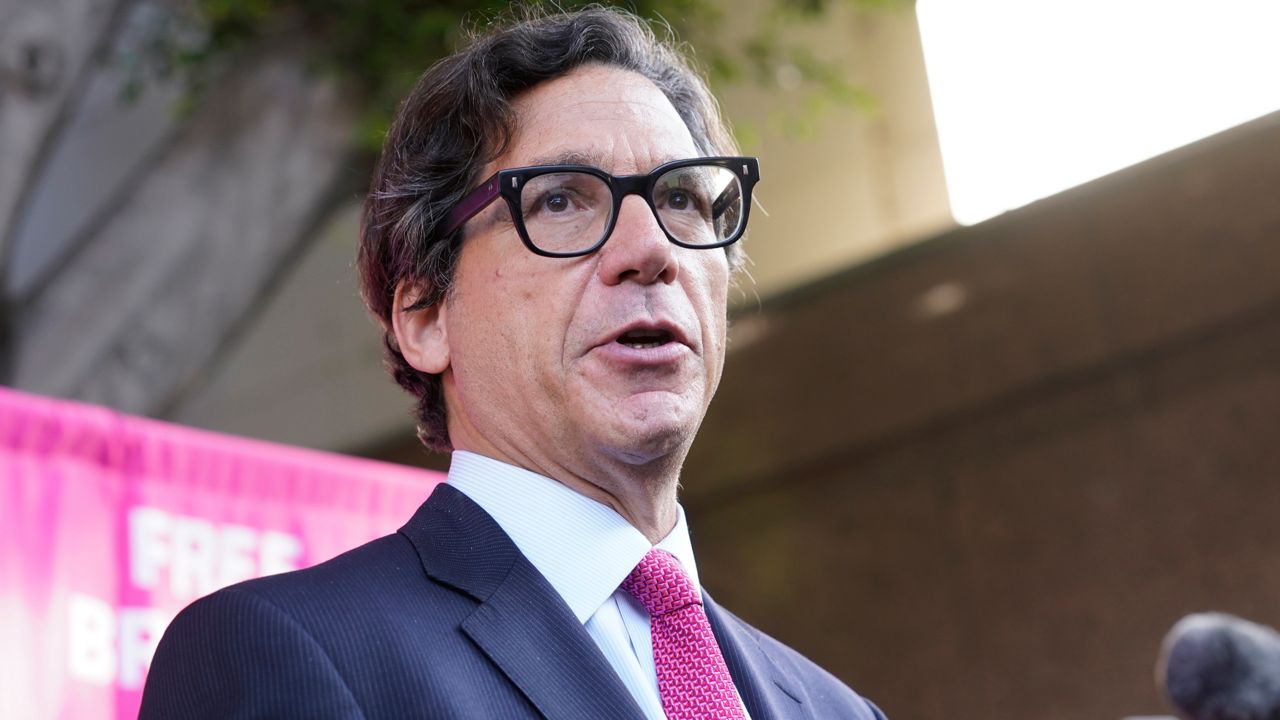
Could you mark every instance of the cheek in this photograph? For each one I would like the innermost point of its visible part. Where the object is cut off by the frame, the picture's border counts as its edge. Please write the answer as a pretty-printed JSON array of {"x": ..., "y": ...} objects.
[
  {"x": 535, "y": 313},
  {"x": 714, "y": 298},
  {"x": 715, "y": 358},
  {"x": 487, "y": 322},
  {"x": 500, "y": 287}
]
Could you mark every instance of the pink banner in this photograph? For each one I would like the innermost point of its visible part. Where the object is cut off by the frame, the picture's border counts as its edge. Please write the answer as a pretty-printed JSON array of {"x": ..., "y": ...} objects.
[{"x": 110, "y": 524}]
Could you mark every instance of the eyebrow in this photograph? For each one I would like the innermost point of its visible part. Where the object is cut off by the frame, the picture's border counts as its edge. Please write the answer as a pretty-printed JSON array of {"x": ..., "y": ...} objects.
[{"x": 570, "y": 157}]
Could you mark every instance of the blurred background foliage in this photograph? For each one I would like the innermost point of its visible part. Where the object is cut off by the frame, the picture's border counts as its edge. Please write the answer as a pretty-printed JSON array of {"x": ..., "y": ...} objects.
[{"x": 378, "y": 48}]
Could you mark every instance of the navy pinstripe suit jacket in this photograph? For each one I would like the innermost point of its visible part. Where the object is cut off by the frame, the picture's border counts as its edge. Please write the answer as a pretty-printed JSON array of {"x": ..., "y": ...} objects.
[{"x": 445, "y": 619}]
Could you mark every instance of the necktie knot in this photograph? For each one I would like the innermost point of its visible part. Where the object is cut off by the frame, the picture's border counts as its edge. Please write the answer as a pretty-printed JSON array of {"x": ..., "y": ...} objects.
[
  {"x": 660, "y": 584},
  {"x": 693, "y": 680}
]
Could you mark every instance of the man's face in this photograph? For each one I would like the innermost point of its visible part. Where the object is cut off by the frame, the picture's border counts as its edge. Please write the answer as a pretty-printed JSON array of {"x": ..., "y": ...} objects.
[{"x": 552, "y": 362}]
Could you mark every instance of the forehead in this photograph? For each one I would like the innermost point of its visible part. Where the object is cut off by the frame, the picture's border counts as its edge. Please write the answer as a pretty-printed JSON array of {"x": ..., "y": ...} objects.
[{"x": 604, "y": 116}]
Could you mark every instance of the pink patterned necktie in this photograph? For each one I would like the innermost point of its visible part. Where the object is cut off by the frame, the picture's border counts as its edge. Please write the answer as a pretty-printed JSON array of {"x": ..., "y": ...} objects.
[{"x": 693, "y": 680}]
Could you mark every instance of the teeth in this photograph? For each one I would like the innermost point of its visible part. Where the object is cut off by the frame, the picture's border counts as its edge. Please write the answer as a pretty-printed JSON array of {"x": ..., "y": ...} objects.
[
  {"x": 645, "y": 338},
  {"x": 639, "y": 344}
]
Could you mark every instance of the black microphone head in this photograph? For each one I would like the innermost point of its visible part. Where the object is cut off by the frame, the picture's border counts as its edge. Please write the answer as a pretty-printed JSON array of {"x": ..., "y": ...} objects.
[{"x": 1215, "y": 666}]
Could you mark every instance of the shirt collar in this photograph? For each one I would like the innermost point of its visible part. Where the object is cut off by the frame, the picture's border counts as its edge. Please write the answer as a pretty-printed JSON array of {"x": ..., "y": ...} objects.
[{"x": 582, "y": 547}]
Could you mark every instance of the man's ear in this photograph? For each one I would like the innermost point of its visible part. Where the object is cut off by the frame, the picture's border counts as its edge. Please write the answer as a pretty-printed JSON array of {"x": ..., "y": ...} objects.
[{"x": 422, "y": 335}]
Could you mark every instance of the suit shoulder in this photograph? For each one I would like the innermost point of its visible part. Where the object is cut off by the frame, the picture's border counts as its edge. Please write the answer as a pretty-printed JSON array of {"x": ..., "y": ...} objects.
[
  {"x": 300, "y": 604},
  {"x": 829, "y": 695},
  {"x": 278, "y": 598},
  {"x": 334, "y": 627},
  {"x": 362, "y": 570},
  {"x": 210, "y": 663}
]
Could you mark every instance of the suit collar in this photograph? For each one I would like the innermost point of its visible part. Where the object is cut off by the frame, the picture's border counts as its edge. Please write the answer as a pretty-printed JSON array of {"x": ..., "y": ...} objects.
[
  {"x": 521, "y": 624},
  {"x": 767, "y": 689},
  {"x": 459, "y": 544}
]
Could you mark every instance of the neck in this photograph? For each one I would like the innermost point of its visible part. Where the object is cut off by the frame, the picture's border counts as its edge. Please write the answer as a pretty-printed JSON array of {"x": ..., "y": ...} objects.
[
  {"x": 638, "y": 484},
  {"x": 646, "y": 501},
  {"x": 643, "y": 494}
]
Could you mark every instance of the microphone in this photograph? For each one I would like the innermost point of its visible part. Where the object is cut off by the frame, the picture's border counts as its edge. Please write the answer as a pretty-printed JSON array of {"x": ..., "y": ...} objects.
[{"x": 1215, "y": 666}]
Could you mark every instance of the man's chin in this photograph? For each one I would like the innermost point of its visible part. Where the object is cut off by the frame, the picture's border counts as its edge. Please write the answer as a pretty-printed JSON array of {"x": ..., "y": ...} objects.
[{"x": 652, "y": 427}]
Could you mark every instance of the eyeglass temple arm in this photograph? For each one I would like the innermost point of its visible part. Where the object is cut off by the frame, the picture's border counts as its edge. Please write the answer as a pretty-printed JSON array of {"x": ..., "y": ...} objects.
[
  {"x": 728, "y": 197},
  {"x": 474, "y": 202}
]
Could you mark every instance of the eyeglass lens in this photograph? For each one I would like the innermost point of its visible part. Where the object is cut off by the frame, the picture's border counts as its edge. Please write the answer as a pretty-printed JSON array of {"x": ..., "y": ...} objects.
[{"x": 569, "y": 212}]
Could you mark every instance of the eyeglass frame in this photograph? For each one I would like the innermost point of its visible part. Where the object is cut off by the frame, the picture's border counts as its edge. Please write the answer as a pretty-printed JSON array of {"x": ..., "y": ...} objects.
[{"x": 508, "y": 184}]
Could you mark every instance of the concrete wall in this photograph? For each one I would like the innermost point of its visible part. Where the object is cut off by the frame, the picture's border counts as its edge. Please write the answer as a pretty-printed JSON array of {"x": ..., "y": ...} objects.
[
  {"x": 307, "y": 369},
  {"x": 982, "y": 477}
]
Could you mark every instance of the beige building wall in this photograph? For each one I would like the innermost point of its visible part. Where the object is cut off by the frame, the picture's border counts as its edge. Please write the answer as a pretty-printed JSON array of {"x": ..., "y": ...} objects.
[{"x": 865, "y": 180}]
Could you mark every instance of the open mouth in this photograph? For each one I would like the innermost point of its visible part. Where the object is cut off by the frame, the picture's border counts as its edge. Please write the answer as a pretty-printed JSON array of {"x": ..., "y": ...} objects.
[{"x": 644, "y": 338}]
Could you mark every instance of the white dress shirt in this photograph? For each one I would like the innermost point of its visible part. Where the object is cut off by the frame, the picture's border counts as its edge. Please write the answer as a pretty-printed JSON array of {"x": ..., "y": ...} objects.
[{"x": 585, "y": 550}]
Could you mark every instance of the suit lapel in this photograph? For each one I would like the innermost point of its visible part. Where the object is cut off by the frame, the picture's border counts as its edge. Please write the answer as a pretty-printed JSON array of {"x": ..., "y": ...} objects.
[
  {"x": 531, "y": 634},
  {"x": 521, "y": 623},
  {"x": 768, "y": 691}
]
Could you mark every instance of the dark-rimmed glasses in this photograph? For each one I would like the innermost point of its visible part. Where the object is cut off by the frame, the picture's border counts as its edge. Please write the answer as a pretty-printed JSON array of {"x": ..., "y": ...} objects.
[{"x": 570, "y": 210}]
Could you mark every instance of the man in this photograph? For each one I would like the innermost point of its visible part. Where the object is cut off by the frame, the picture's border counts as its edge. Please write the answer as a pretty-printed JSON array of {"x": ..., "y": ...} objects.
[{"x": 548, "y": 241}]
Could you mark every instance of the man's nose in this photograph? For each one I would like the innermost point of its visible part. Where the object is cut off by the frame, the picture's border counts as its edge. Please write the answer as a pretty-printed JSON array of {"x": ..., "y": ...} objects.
[{"x": 638, "y": 250}]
